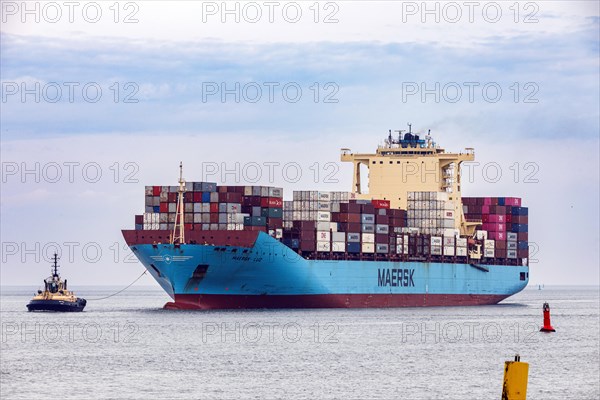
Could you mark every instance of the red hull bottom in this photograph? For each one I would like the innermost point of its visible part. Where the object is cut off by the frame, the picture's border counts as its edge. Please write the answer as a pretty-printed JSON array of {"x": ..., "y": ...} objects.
[{"x": 221, "y": 301}]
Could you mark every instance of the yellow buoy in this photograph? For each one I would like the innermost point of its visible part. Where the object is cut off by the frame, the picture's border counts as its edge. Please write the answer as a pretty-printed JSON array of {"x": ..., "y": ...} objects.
[{"x": 515, "y": 380}]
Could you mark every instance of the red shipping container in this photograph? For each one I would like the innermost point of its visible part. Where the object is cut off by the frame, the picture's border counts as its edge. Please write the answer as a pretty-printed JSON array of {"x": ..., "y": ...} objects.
[
  {"x": 485, "y": 209},
  {"x": 351, "y": 208},
  {"x": 275, "y": 223},
  {"x": 172, "y": 197},
  {"x": 487, "y": 201},
  {"x": 523, "y": 236},
  {"x": 512, "y": 201},
  {"x": 508, "y": 218},
  {"x": 397, "y": 222},
  {"x": 308, "y": 235},
  {"x": 214, "y": 208},
  {"x": 188, "y": 227},
  {"x": 197, "y": 197},
  {"x": 381, "y": 238},
  {"x": 306, "y": 245},
  {"x": 486, "y": 218},
  {"x": 188, "y": 197},
  {"x": 156, "y": 190},
  {"x": 353, "y": 227},
  {"x": 381, "y": 203},
  {"x": 500, "y": 244},
  {"x": 497, "y": 235},
  {"x": 164, "y": 207},
  {"x": 382, "y": 219},
  {"x": 500, "y": 253},
  {"x": 214, "y": 218},
  {"x": 271, "y": 202},
  {"x": 222, "y": 189},
  {"x": 367, "y": 208},
  {"x": 139, "y": 219},
  {"x": 255, "y": 228},
  {"x": 305, "y": 225},
  {"x": 523, "y": 253}
]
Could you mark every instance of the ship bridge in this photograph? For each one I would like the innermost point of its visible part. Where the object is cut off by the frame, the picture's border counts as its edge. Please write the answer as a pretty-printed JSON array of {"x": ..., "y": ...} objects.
[{"x": 409, "y": 163}]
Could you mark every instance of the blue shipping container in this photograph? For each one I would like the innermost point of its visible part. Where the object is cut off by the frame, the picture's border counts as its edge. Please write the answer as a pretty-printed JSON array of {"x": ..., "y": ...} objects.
[
  {"x": 206, "y": 197},
  {"x": 519, "y": 228},
  {"x": 156, "y": 209},
  {"x": 523, "y": 245},
  {"x": 353, "y": 247},
  {"x": 520, "y": 211}
]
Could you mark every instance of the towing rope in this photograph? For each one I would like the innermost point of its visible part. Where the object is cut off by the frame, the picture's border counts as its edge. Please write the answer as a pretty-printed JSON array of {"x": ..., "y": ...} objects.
[{"x": 122, "y": 290}]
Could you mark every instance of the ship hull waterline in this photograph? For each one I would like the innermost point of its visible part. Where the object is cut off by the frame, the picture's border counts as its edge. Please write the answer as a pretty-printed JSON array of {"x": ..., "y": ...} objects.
[
  {"x": 270, "y": 275},
  {"x": 56, "y": 305}
]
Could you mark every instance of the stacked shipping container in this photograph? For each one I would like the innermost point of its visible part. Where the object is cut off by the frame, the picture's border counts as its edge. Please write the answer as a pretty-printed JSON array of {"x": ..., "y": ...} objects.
[
  {"x": 504, "y": 225},
  {"x": 211, "y": 207},
  {"x": 330, "y": 223}
]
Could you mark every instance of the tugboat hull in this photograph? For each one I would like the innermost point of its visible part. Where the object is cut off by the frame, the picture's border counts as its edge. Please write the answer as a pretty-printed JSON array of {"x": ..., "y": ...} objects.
[{"x": 56, "y": 305}]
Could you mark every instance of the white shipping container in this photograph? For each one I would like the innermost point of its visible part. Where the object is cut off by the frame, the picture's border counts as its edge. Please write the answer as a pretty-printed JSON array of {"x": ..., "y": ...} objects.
[
  {"x": 511, "y": 236},
  {"x": 323, "y": 246},
  {"x": 323, "y": 236},
  {"x": 333, "y": 226},
  {"x": 353, "y": 237},
  {"x": 449, "y": 241},
  {"x": 488, "y": 244},
  {"x": 323, "y": 226},
  {"x": 511, "y": 245},
  {"x": 368, "y": 238},
  {"x": 339, "y": 247},
  {"x": 461, "y": 242},
  {"x": 323, "y": 206},
  {"x": 338, "y": 237},
  {"x": 511, "y": 254},
  {"x": 436, "y": 250},
  {"x": 489, "y": 253},
  {"x": 449, "y": 251},
  {"x": 324, "y": 196},
  {"x": 481, "y": 235},
  {"x": 278, "y": 233},
  {"x": 436, "y": 241},
  {"x": 368, "y": 247},
  {"x": 323, "y": 216},
  {"x": 461, "y": 251}
]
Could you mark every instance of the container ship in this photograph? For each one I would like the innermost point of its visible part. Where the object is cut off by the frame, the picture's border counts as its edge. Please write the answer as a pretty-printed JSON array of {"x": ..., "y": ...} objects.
[{"x": 409, "y": 240}]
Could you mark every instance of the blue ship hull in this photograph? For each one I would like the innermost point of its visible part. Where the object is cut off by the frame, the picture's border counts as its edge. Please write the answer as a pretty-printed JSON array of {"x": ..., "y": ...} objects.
[{"x": 271, "y": 275}]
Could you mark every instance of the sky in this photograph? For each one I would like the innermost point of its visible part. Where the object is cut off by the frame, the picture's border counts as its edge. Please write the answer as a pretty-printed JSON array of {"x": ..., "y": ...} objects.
[{"x": 101, "y": 98}]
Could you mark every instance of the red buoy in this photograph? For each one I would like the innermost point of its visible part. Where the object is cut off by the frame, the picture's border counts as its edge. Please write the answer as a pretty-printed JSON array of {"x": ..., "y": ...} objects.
[{"x": 547, "y": 326}]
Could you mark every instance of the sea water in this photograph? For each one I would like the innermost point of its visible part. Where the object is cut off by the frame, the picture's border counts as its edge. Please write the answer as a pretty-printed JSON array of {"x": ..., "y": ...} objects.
[{"x": 128, "y": 347}]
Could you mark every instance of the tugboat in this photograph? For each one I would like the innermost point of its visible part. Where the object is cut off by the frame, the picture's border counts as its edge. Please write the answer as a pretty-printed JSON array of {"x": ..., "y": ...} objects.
[{"x": 55, "y": 296}]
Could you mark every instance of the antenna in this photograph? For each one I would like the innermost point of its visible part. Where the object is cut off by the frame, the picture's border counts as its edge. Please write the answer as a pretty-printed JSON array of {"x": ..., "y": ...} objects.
[
  {"x": 179, "y": 223},
  {"x": 55, "y": 266},
  {"x": 409, "y": 127}
]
